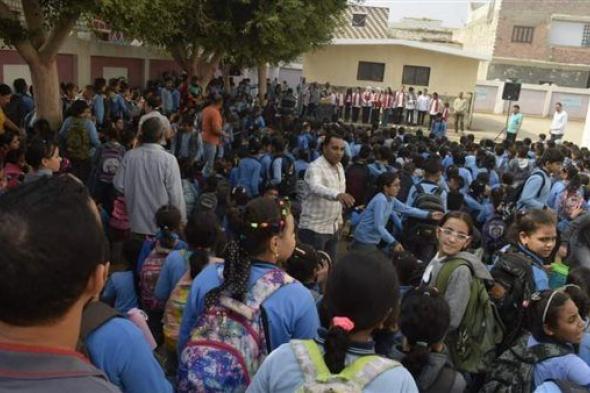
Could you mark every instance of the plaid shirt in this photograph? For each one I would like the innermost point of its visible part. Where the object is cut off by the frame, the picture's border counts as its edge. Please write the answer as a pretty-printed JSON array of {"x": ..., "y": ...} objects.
[{"x": 321, "y": 212}]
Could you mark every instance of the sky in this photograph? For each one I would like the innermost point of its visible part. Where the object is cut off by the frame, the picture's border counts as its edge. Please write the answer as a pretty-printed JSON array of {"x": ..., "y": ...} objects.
[{"x": 453, "y": 13}]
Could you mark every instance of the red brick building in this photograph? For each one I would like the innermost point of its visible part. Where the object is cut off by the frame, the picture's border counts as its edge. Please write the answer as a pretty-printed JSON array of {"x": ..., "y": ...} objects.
[{"x": 533, "y": 41}]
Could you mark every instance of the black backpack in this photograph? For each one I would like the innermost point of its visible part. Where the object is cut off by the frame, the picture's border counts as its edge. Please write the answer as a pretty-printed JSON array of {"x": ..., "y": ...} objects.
[
  {"x": 512, "y": 372},
  {"x": 514, "y": 273},
  {"x": 420, "y": 234},
  {"x": 514, "y": 196},
  {"x": 15, "y": 110},
  {"x": 358, "y": 179},
  {"x": 406, "y": 183},
  {"x": 288, "y": 185}
]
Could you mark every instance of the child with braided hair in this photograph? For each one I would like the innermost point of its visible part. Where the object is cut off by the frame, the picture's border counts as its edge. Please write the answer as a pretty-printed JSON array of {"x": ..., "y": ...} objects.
[{"x": 240, "y": 310}]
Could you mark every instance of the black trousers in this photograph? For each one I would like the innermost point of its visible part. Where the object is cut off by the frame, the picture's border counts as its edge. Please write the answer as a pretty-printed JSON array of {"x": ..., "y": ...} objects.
[
  {"x": 355, "y": 114},
  {"x": 366, "y": 114}
]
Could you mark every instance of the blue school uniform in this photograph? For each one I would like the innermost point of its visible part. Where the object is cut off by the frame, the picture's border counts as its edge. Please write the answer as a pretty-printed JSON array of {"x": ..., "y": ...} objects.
[
  {"x": 175, "y": 265},
  {"x": 280, "y": 372},
  {"x": 119, "y": 349},
  {"x": 120, "y": 291},
  {"x": 568, "y": 368},
  {"x": 148, "y": 246},
  {"x": 291, "y": 311},
  {"x": 248, "y": 175},
  {"x": 540, "y": 276}
]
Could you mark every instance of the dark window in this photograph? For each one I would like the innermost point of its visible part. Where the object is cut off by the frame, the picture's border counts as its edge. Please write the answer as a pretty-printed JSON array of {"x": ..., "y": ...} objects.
[
  {"x": 523, "y": 34},
  {"x": 586, "y": 36},
  {"x": 370, "y": 71},
  {"x": 359, "y": 20},
  {"x": 416, "y": 75}
]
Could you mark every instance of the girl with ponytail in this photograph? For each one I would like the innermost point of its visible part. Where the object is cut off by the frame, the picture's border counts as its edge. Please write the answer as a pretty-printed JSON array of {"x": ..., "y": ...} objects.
[
  {"x": 362, "y": 293},
  {"x": 202, "y": 234},
  {"x": 424, "y": 322},
  {"x": 266, "y": 240}
]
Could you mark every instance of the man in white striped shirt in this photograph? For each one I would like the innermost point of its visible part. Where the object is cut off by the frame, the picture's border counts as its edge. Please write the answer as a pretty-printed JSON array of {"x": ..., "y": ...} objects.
[{"x": 321, "y": 210}]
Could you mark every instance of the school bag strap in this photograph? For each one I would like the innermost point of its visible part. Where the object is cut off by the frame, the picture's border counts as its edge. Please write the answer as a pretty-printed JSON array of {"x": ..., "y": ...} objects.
[
  {"x": 447, "y": 269},
  {"x": 95, "y": 315},
  {"x": 360, "y": 373},
  {"x": 262, "y": 289},
  {"x": 541, "y": 352}
]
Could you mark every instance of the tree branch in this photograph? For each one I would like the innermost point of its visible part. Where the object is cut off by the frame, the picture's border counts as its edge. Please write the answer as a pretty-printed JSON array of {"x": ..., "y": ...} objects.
[
  {"x": 34, "y": 18},
  {"x": 56, "y": 38},
  {"x": 5, "y": 11},
  {"x": 27, "y": 51}
]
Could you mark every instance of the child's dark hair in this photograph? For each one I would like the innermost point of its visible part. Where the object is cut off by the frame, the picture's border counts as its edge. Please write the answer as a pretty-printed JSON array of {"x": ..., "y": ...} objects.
[
  {"x": 580, "y": 276},
  {"x": 459, "y": 215},
  {"x": 408, "y": 268},
  {"x": 366, "y": 293},
  {"x": 536, "y": 308},
  {"x": 385, "y": 179},
  {"x": 303, "y": 263},
  {"x": 202, "y": 234},
  {"x": 425, "y": 317},
  {"x": 580, "y": 298},
  {"x": 262, "y": 219},
  {"x": 38, "y": 150},
  {"x": 528, "y": 222},
  {"x": 168, "y": 221}
]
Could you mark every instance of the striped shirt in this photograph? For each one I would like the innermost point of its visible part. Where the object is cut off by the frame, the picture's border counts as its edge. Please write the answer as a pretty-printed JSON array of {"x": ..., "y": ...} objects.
[{"x": 321, "y": 212}]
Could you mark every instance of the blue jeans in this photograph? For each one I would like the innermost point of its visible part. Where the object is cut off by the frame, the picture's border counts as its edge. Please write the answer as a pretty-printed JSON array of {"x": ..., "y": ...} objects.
[{"x": 209, "y": 152}]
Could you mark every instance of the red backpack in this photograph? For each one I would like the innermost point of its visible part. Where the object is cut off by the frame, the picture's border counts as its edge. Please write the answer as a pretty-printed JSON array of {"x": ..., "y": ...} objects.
[{"x": 148, "y": 277}]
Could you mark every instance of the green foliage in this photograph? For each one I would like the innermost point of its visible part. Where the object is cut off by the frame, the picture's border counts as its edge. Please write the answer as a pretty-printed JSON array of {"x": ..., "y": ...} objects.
[
  {"x": 245, "y": 32},
  {"x": 53, "y": 15}
]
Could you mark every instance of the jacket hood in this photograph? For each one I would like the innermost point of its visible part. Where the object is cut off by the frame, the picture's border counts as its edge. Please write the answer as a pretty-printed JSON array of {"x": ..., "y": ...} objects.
[{"x": 479, "y": 270}]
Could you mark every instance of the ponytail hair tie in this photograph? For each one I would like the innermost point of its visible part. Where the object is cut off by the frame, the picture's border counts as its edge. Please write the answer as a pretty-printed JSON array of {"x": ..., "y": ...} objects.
[{"x": 343, "y": 323}]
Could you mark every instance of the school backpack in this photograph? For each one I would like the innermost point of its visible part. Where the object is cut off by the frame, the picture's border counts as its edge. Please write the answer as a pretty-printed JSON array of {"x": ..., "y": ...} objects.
[
  {"x": 175, "y": 306},
  {"x": 514, "y": 273},
  {"x": 77, "y": 141},
  {"x": 357, "y": 183},
  {"x": 512, "y": 371},
  {"x": 148, "y": 277},
  {"x": 352, "y": 379},
  {"x": 472, "y": 345},
  {"x": 493, "y": 235},
  {"x": 15, "y": 110},
  {"x": 288, "y": 184},
  {"x": 406, "y": 183},
  {"x": 111, "y": 156},
  {"x": 421, "y": 233},
  {"x": 229, "y": 340},
  {"x": 517, "y": 192}
]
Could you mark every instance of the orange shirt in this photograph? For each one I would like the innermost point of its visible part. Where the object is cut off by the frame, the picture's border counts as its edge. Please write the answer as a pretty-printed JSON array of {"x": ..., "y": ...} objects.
[{"x": 212, "y": 120}]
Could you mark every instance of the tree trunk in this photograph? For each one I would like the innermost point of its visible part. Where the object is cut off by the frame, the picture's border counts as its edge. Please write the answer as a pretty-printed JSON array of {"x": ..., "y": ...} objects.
[
  {"x": 46, "y": 90},
  {"x": 262, "y": 73},
  {"x": 225, "y": 70}
]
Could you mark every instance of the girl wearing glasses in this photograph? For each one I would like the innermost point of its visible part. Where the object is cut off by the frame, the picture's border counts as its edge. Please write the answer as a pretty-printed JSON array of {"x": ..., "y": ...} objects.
[
  {"x": 453, "y": 271},
  {"x": 554, "y": 319}
]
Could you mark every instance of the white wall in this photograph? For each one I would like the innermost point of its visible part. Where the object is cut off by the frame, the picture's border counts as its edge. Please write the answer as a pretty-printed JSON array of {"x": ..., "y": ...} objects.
[
  {"x": 566, "y": 33},
  {"x": 535, "y": 100}
]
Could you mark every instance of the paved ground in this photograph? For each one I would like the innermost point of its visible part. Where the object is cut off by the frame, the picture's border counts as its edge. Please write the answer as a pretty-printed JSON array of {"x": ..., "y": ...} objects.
[{"x": 488, "y": 126}]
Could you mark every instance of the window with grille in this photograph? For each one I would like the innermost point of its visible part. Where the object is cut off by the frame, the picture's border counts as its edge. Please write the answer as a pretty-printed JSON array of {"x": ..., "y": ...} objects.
[
  {"x": 370, "y": 71},
  {"x": 359, "y": 20},
  {"x": 586, "y": 36},
  {"x": 416, "y": 75},
  {"x": 523, "y": 34}
]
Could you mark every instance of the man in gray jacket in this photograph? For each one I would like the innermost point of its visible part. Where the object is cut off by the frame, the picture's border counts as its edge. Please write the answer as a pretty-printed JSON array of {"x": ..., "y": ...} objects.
[{"x": 52, "y": 264}]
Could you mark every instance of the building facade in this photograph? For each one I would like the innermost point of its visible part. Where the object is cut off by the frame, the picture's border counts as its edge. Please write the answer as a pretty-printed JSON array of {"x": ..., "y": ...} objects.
[
  {"x": 532, "y": 41},
  {"x": 363, "y": 53}
]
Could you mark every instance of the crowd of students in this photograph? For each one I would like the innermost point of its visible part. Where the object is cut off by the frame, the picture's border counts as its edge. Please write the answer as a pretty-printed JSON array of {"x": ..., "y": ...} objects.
[{"x": 192, "y": 240}]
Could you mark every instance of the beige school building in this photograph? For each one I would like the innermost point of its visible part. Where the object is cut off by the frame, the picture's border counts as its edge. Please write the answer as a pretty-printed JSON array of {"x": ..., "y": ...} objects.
[{"x": 364, "y": 52}]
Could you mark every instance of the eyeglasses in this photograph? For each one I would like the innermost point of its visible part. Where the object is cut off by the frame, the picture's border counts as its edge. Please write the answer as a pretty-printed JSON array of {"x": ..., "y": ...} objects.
[
  {"x": 459, "y": 236},
  {"x": 537, "y": 296}
]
